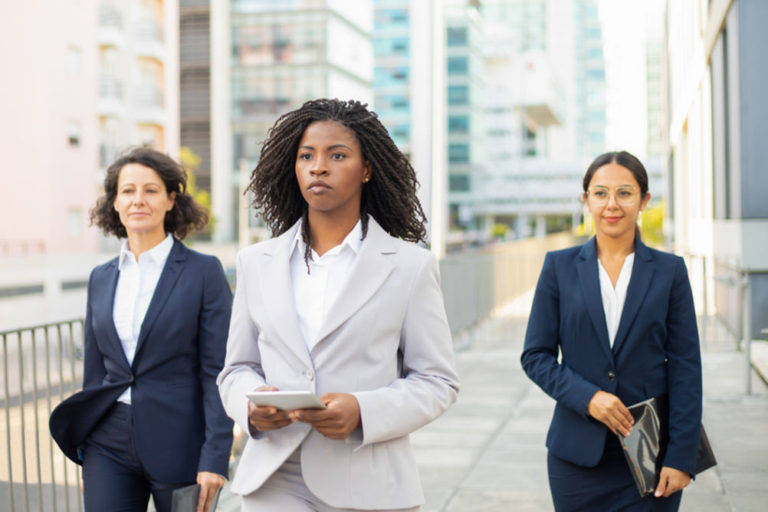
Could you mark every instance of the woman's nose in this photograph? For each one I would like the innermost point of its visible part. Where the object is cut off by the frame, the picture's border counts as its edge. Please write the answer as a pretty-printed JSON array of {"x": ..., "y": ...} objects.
[{"x": 319, "y": 168}]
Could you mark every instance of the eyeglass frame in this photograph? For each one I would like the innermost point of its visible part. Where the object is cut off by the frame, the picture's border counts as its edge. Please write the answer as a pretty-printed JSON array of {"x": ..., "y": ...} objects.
[{"x": 625, "y": 202}]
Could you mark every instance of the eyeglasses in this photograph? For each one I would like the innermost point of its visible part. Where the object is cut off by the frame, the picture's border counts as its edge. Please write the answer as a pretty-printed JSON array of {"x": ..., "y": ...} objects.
[{"x": 625, "y": 195}]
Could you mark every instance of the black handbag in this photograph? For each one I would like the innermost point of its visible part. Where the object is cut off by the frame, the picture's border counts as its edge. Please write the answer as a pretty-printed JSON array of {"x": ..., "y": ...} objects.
[{"x": 645, "y": 446}]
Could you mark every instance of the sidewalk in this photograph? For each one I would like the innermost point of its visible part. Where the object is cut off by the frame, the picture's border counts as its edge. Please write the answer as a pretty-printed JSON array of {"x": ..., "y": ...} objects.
[{"x": 487, "y": 452}]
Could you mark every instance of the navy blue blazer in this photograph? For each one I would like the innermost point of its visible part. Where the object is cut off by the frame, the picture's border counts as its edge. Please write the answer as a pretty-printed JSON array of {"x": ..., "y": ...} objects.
[
  {"x": 656, "y": 350},
  {"x": 180, "y": 425}
]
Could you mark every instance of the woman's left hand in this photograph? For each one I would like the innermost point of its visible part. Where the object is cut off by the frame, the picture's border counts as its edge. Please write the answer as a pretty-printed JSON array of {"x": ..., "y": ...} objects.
[
  {"x": 671, "y": 480},
  {"x": 339, "y": 418},
  {"x": 210, "y": 483}
]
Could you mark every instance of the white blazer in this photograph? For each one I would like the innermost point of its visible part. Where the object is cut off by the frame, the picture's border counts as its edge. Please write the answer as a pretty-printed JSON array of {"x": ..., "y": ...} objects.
[{"x": 386, "y": 340}]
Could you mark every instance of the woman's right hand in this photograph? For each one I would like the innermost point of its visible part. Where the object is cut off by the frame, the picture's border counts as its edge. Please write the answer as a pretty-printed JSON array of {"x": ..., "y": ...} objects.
[
  {"x": 264, "y": 418},
  {"x": 608, "y": 409}
]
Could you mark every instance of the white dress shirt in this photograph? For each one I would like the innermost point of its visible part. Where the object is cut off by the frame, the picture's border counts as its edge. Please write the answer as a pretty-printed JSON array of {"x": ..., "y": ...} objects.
[
  {"x": 136, "y": 285},
  {"x": 613, "y": 298},
  {"x": 315, "y": 291}
]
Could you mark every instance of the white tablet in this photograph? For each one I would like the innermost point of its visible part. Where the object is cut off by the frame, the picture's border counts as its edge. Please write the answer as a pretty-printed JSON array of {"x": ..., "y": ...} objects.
[{"x": 286, "y": 400}]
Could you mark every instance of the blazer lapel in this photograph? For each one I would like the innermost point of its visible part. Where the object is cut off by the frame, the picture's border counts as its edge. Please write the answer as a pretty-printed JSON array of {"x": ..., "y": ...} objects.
[
  {"x": 173, "y": 268},
  {"x": 642, "y": 274},
  {"x": 370, "y": 270},
  {"x": 278, "y": 298},
  {"x": 104, "y": 304},
  {"x": 593, "y": 299}
]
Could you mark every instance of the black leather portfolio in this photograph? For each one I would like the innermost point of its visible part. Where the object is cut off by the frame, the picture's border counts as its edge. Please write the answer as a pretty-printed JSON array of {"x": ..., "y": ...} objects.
[
  {"x": 645, "y": 447},
  {"x": 185, "y": 499}
]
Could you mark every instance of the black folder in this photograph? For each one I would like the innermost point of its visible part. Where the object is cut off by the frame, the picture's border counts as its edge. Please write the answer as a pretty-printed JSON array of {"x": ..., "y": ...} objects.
[
  {"x": 645, "y": 446},
  {"x": 185, "y": 499}
]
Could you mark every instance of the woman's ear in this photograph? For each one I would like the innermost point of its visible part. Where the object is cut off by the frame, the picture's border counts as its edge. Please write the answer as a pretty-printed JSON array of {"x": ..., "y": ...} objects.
[
  {"x": 172, "y": 197},
  {"x": 367, "y": 171},
  {"x": 644, "y": 202}
]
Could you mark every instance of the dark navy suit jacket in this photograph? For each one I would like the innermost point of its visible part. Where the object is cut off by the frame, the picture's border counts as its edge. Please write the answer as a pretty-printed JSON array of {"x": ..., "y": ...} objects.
[
  {"x": 180, "y": 426},
  {"x": 656, "y": 350}
]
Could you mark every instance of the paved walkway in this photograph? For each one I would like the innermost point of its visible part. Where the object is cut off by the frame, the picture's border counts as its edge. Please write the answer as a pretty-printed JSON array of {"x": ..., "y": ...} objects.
[{"x": 487, "y": 452}]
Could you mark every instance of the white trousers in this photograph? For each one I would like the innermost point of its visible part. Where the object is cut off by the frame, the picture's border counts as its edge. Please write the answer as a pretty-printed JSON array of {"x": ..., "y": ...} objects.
[{"x": 285, "y": 491}]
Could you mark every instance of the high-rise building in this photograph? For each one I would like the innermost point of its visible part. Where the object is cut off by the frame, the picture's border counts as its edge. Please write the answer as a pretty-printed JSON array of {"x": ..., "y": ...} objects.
[
  {"x": 717, "y": 179},
  {"x": 532, "y": 176},
  {"x": 589, "y": 80},
  {"x": 269, "y": 58},
  {"x": 464, "y": 68},
  {"x": 409, "y": 89},
  {"x": 90, "y": 79},
  {"x": 195, "y": 84}
]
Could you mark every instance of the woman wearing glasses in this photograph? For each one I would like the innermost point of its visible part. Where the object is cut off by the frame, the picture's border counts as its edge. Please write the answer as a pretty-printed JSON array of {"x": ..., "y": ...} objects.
[{"x": 621, "y": 314}]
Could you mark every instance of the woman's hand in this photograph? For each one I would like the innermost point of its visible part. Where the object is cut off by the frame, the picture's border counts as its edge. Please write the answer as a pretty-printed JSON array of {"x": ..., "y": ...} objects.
[
  {"x": 264, "y": 418},
  {"x": 671, "y": 480},
  {"x": 608, "y": 409},
  {"x": 210, "y": 483},
  {"x": 340, "y": 417}
]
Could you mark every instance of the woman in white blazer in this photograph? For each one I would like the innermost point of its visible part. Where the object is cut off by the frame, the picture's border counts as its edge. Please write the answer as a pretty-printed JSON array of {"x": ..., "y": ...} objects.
[{"x": 340, "y": 303}]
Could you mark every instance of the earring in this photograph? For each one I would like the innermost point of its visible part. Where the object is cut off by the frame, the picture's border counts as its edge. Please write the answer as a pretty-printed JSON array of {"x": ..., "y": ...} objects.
[{"x": 366, "y": 180}]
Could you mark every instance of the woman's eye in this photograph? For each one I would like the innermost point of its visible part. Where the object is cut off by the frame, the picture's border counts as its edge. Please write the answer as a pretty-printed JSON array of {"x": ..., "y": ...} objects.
[
  {"x": 625, "y": 193},
  {"x": 599, "y": 193},
  {"x": 338, "y": 156},
  {"x": 305, "y": 156}
]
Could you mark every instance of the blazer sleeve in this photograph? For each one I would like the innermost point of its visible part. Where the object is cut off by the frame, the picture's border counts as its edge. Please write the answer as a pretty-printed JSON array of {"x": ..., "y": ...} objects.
[
  {"x": 242, "y": 371},
  {"x": 212, "y": 338},
  {"x": 683, "y": 375},
  {"x": 540, "y": 351},
  {"x": 93, "y": 361},
  {"x": 429, "y": 383}
]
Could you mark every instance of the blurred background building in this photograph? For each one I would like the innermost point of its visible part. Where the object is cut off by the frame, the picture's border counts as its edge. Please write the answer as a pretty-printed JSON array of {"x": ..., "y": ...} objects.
[
  {"x": 499, "y": 104},
  {"x": 718, "y": 213},
  {"x": 79, "y": 85}
]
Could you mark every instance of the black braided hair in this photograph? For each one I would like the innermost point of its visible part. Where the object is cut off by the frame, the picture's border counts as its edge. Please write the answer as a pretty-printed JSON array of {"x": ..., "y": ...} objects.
[{"x": 389, "y": 196}]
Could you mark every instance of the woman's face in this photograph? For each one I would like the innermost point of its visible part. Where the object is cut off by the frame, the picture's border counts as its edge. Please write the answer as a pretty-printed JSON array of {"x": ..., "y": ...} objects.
[
  {"x": 142, "y": 200},
  {"x": 330, "y": 169},
  {"x": 613, "y": 199}
]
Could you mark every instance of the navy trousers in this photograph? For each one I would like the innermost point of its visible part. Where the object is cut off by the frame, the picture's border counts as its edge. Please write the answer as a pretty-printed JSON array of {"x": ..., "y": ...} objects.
[
  {"x": 113, "y": 476},
  {"x": 607, "y": 487}
]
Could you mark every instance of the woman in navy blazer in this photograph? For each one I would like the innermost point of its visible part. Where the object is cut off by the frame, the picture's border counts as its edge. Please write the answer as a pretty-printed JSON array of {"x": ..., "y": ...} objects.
[
  {"x": 622, "y": 317},
  {"x": 149, "y": 418}
]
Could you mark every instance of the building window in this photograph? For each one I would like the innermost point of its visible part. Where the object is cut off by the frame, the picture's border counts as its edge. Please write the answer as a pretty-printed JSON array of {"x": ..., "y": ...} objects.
[
  {"x": 458, "y": 65},
  {"x": 74, "y": 60},
  {"x": 458, "y": 94},
  {"x": 390, "y": 18},
  {"x": 458, "y": 153},
  {"x": 458, "y": 183},
  {"x": 457, "y": 36},
  {"x": 73, "y": 133},
  {"x": 458, "y": 124},
  {"x": 75, "y": 222}
]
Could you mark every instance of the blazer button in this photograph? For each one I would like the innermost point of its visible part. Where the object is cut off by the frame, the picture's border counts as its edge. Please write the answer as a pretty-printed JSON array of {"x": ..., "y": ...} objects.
[
  {"x": 611, "y": 375},
  {"x": 309, "y": 374}
]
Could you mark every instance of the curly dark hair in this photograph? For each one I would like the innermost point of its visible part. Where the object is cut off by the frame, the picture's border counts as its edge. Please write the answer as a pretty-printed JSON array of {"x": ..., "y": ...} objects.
[
  {"x": 185, "y": 216},
  {"x": 389, "y": 196}
]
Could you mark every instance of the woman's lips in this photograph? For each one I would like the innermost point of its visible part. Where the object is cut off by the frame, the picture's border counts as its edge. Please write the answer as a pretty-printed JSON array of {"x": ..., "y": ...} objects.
[
  {"x": 612, "y": 220},
  {"x": 318, "y": 186}
]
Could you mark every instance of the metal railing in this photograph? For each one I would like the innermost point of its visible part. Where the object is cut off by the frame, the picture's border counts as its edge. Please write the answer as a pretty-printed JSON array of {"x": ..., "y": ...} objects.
[
  {"x": 40, "y": 366},
  {"x": 477, "y": 281}
]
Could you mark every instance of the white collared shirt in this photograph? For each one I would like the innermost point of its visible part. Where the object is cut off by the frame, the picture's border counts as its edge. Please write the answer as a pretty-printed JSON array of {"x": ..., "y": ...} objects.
[
  {"x": 613, "y": 299},
  {"x": 135, "y": 287},
  {"x": 315, "y": 291}
]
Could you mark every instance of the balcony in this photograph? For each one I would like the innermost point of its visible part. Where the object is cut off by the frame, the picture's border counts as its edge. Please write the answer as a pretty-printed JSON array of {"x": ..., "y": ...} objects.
[
  {"x": 111, "y": 30},
  {"x": 541, "y": 98},
  {"x": 111, "y": 101},
  {"x": 148, "y": 39},
  {"x": 150, "y": 105}
]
